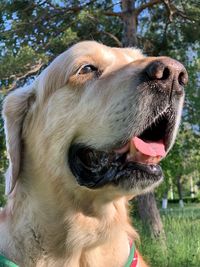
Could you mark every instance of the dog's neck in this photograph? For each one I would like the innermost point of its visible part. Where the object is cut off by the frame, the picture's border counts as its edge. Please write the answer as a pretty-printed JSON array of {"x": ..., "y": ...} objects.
[{"x": 43, "y": 232}]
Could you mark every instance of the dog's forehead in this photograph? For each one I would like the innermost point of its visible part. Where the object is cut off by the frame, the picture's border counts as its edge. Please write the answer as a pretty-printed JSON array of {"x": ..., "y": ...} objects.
[
  {"x": 106, "y": 58},
  {"x": 105, "y": 55}
]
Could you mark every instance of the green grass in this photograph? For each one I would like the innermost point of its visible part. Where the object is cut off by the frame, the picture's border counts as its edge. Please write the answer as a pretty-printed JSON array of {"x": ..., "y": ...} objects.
[{"x": 182, "y": 228}]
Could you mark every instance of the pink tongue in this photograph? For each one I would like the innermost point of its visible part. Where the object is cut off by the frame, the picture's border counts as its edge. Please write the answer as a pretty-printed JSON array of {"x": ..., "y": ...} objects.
[{"x": 152, "y": 149}]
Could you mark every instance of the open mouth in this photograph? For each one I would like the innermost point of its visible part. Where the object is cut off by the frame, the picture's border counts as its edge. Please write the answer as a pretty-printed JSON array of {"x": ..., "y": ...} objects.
[{"x": 137, "y": 161}]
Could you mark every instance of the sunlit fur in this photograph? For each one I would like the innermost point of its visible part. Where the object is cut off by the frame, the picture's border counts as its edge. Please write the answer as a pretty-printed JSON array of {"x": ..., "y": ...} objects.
[{"x": 50, "y": 220}]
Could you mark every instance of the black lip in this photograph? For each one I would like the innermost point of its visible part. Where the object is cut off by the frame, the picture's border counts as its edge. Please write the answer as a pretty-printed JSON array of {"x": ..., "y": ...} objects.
[{"x": 95, "y": 169}]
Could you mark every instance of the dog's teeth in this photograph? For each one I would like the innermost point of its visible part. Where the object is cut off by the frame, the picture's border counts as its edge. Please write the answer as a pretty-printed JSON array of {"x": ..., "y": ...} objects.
[
  {"x": 154, "y": 160},
  {"x": 133, "y": 149},
  {"x": 131, "y": 156}
]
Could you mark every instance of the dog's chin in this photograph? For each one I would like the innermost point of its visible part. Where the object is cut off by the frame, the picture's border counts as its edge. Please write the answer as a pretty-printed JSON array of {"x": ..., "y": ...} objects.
[{"x": 95, "y": 169}]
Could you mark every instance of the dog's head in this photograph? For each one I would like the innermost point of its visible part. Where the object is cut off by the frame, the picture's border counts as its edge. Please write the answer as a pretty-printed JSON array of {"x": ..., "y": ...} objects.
[{"x": 97, "y": 117}]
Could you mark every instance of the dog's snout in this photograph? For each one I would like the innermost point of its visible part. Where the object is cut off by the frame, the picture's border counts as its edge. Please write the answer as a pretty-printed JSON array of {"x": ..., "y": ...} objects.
[{"x": 169, "y": 72}]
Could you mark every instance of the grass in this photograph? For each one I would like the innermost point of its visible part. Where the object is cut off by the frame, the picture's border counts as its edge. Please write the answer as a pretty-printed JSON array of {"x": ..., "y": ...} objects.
[{"x": 182, "y": 228}]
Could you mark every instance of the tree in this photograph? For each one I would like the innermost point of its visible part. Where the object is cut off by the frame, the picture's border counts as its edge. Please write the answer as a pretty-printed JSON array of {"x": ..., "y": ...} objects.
[{"x": 183, "y": 159}]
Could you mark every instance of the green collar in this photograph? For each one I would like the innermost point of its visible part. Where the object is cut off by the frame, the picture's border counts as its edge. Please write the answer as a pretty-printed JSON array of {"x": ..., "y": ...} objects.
[
  {"x": 133, "y": 258},
  {"x": 4, "y": 262}
]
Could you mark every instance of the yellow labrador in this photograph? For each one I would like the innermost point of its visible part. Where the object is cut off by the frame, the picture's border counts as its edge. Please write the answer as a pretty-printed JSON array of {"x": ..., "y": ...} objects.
[{"x": 82, "y": 139}]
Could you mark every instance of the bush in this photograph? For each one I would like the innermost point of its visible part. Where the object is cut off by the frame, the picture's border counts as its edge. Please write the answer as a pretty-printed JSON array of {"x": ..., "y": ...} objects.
[{"x": 185, "y": 200}]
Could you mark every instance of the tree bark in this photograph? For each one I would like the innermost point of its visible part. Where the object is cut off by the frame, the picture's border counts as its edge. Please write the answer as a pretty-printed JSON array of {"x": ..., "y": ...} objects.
[
  {"x": 180, "y": 193},
  {"x": 129, "y": 23},
  {"x": 149, "y": 214}
]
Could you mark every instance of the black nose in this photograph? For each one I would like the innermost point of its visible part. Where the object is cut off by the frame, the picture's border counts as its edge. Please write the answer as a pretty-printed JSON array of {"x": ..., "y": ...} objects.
[{"x": 168, "y": 72}]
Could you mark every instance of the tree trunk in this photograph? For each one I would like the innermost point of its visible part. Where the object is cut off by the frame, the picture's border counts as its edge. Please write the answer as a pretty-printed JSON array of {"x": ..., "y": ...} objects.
[
  {"x": 129, "y": 23},
  {"x": 180, "y": 193},
  {"x": 165, "y": 200},
  {"x": 192, "y": 191},
  {"x": 150, "y": 215},
  {"x": 146, "y": 203},
  {"x": 171, "y": 192}
]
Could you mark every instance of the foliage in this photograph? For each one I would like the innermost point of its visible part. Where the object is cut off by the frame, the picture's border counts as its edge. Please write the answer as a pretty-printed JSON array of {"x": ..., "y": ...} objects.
[
  {"x": 37, "y": 31},
  {"x": 171, "y": 30}
]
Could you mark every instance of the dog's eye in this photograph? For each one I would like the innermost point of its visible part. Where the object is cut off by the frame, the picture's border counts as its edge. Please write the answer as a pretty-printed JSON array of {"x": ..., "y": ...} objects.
[{"x": 87, "y": 69}]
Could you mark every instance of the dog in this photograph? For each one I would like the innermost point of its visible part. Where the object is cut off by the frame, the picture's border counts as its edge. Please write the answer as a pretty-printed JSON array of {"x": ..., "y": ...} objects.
[{"x": 82, "y": 140}]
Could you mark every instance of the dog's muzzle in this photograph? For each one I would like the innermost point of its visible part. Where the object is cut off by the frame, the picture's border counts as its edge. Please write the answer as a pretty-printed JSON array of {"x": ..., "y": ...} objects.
[{"x": 130, "y": 162}]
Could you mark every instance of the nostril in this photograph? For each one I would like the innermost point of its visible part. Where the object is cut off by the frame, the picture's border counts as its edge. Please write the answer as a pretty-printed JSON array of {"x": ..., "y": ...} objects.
[
  {"x": 182, "y": 78},
  {"x": 158, "y": 71},
  {"x": 166, "y": 74}
]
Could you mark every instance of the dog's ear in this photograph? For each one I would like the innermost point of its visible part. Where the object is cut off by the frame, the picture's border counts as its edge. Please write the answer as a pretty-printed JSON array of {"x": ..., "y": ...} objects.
[{"x": 15, "y": 108}]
